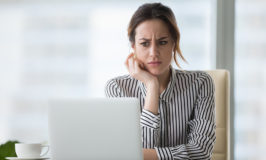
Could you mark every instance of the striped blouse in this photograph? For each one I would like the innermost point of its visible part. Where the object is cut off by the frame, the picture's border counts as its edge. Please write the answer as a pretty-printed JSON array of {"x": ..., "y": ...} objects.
[{"x": 185, "y": 125}]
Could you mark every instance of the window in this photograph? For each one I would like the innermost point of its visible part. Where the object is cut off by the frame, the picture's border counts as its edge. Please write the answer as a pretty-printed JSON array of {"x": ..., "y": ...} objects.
[
  {"x": 250, "y": 78},
  {"x": 54, "y": 49}
]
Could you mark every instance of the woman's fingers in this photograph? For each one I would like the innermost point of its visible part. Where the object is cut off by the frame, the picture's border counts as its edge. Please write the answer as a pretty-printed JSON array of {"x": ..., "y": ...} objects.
[
  {"x": 128, "y": 57},
  {"x": 134, "y": 66},
  {"x": 126, "y": 62},
  {"x": 140, "y": 64},
  {"x": 131, "y": 65}
]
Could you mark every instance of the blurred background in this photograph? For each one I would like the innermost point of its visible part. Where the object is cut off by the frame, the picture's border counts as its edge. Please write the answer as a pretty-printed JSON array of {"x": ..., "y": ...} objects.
[{"x": 55, "y": 48}]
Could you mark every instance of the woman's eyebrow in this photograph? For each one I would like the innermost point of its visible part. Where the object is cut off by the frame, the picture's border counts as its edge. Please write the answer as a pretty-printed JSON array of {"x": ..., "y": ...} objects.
[
  {"x": 150, "y": 39},
  {"x": 145, "y": 39},
  {"x": 163, "y": 38}
]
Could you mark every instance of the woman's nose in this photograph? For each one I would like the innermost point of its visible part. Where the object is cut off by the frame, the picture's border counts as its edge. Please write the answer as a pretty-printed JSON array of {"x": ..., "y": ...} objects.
[{"x": 154, "y": 49}]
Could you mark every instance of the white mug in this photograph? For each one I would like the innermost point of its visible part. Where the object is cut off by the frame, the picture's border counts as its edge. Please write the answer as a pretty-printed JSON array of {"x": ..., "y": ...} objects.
[{"x": 30, "y": 150}]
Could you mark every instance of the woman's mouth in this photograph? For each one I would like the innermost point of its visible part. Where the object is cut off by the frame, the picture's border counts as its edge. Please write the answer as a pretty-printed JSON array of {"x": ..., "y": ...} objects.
[{"x": 154, "y": 63}]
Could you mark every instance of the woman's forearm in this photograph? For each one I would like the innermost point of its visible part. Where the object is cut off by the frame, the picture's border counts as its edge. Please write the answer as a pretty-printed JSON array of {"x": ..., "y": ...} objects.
[
  {"x": 152, "y": 98},
  {"x": 150, "y": 154}
]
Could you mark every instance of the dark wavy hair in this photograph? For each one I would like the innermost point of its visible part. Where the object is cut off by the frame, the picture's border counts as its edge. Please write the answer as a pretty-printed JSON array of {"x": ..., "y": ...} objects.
[{"x": 149, "y": 11}]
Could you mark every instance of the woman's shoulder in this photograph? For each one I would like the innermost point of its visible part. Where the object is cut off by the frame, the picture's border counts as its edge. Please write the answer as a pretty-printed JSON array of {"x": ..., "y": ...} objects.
[
  {"x": 121, "y": 86},
  {"x": 120, "y": 81},
  {"x": 196, "y": 73},
  {"x": 199, "y": 75}
]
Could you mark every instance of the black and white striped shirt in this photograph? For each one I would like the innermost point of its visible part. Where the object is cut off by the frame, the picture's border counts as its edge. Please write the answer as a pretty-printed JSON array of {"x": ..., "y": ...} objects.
[{"x": 185, "y": 125}]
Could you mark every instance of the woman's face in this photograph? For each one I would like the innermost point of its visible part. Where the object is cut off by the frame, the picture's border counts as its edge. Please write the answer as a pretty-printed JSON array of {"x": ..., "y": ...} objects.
[{"x": 154, "y": 46}]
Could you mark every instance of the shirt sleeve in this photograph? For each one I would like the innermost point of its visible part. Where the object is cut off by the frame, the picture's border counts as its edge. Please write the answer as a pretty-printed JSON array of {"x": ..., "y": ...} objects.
[
  {"x": 201, "y": 130},
  {"x": 112, "y": 89},
  {"x": 150, "y": 128}
]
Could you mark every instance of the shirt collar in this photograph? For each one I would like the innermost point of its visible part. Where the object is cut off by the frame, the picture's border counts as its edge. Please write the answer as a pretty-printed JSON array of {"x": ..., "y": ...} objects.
[{"x": 166, "y": 95}]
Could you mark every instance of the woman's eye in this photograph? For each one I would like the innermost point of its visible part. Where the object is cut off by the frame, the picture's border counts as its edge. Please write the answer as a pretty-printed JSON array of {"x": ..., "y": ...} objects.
[
  {"x": 163, "y": 42},
  {"x": 145, "y": 44}
]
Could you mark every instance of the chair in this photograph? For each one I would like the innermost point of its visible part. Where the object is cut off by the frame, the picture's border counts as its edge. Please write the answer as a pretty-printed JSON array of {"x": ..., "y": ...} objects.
[{"x": 222, "y": 111}]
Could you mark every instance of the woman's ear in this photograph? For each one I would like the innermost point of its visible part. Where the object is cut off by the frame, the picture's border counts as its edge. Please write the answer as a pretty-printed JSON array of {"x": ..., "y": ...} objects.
[{"x": 133, "y": 47}]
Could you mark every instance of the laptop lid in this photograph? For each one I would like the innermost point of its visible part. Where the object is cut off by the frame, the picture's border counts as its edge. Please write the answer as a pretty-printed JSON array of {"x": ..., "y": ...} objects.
[{"x": 98, "y": 129}]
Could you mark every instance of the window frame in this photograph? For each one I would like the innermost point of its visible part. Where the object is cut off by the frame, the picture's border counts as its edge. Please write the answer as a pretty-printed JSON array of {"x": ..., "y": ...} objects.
[{"x": 225, "y": 53}]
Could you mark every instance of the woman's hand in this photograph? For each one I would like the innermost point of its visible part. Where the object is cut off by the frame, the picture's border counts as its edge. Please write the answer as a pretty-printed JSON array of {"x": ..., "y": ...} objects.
[{"x": 136, "y": 69}]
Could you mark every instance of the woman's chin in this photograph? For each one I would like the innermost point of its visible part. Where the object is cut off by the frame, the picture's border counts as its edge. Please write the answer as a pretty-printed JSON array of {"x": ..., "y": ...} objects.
[{"x": 155, "y": 72}]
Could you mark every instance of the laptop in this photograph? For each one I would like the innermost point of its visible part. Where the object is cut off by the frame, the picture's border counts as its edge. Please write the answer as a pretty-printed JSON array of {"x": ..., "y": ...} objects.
[{"x": 95, "y": 129}]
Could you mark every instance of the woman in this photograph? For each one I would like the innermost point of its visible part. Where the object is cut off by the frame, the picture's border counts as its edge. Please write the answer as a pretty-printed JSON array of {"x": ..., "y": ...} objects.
[{"x": 177, "y": 107}]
